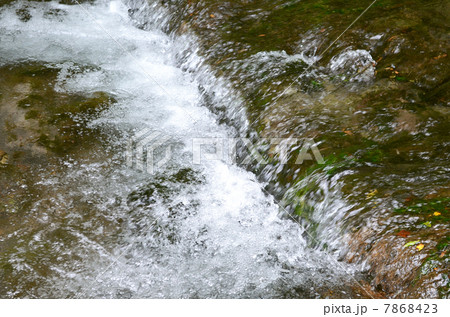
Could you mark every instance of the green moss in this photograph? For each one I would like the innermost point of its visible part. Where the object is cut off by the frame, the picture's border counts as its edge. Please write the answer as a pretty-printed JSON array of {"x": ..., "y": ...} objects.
[
  {"x": 443, "y": 245},
  {"x": 66, "y": 113},
  {"x": 316, "y": 84},
  {"x": 428, "y": 208},
  {"x": 99, "y": 102},
  {"x": 401, "y": 78},
  {"x": 164, "y": 187},
  {"x": 37, "y": 70},
  {"x": 283, "y": 23},
  {"x": 65, "y": 109},
  {"x": 444, "y": 291},
  {"x": 62, "y": 117},
  {"x": 373, "y": 155},
  {"x": 186, "y": 176},
  {"x": 32, "y": 114},
  {"x": 429, "y": 265},
  {"x": 7, "y": 269},
  {"x": 32, "y": 100},
  {"x": 438, "y": 261},
  {"x": 347, "y": 152}
]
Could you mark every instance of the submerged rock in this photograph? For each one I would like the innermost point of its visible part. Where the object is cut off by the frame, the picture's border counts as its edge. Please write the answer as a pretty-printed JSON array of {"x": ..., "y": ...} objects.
[
  {"x": 37, "y": 120},
  {"x": 376, "y": 103},
  {"x": 38, "y": 126},
  {"x": 3, "y": 158}
]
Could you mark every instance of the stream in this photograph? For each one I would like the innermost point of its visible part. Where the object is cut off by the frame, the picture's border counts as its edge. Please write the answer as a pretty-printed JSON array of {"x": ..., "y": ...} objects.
[{"x": 96, "y": 227}]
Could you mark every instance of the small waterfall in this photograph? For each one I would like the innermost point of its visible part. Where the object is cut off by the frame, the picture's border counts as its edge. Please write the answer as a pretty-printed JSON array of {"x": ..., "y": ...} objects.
[{"x": 103, "y": 229}]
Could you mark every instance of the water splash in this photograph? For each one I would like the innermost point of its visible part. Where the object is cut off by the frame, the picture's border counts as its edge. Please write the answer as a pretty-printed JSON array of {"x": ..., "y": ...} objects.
[{"x": 105, "y": 230}]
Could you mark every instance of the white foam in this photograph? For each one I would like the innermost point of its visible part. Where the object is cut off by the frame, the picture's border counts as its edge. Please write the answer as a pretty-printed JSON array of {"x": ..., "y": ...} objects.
[
  {"x": 354, "y": 65},
  {"x": 231, "y": 244}
]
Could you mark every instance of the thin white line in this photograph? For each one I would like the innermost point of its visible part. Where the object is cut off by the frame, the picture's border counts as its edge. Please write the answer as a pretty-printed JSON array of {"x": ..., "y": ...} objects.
[
  {"x": 329, "y": 46},
  {"x": 162, "y": 88},
  {"x": 279, "y": 96},
  {"x": 321, "y": 55}
]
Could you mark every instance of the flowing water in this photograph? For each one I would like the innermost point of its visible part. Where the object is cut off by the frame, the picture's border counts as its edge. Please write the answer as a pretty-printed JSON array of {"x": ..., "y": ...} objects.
[{"x": 95, "y": 227}]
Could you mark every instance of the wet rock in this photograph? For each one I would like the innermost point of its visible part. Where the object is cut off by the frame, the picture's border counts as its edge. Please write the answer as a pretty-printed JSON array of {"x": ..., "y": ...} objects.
[
  {"x": 73, "y": 2},
  {"x": 24, "y": 14},
  {"x": 38, "y": 121},
  {"x": 380, "y": 116},
  {"x": 163, "y": 187},
  {"x": 3, "y": 158},
  {"x": 406, "y": 121},
  {"x": 376, "y": 102}
]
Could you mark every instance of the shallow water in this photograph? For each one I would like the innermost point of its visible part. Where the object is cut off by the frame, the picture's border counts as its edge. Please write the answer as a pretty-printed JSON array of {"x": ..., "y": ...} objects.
[{"x": 95, "y": 227}]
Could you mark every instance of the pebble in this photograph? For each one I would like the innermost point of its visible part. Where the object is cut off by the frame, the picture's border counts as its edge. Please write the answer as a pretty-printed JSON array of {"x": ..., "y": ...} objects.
[{"x": 3, "y": 158}]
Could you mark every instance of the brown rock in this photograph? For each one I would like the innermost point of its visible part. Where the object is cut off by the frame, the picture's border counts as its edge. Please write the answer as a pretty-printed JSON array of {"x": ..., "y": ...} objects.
[{"x": 3, "y": 158}]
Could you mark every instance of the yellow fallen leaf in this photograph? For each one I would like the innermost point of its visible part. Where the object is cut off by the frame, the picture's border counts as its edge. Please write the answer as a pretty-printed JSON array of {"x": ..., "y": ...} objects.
[
  {"x": 410, "y": 243},
  {"x": 392, "y": 38},
  {"x": 371, "y": 194},
  {"x": 436, "y": 213},
  {"x": 419, "y": 246},
  {"x": 348, "y": 132},
  {"x": 440, "y": 56}
]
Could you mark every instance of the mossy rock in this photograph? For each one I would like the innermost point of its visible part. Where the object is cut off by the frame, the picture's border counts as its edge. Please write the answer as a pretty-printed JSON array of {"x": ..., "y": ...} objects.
[
  {"x": 435, "y": 210},
  {"x": 54, "y": 120},
  {"x": 164, "y": 187}
]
